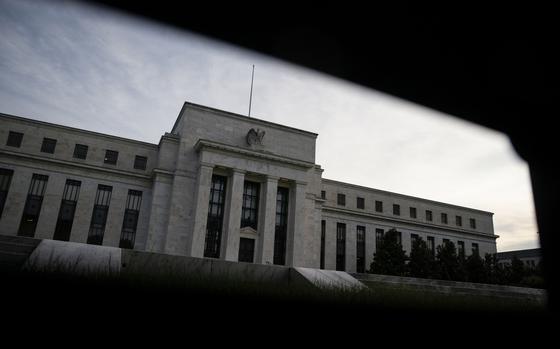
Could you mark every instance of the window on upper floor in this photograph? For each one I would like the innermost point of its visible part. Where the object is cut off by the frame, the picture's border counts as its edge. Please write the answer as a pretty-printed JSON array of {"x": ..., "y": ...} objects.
[
  {"x": 250, "y": 206},
  {"x": 48, "y": 145},
  {"x": 5, "y": 180},
  {"x": 340, "y": 246},
  {"x": 396, "y": 210},
  {"x": 323, "y": 195},
  {"x": 458, "y": 221},
  {"x": 475, "y": 249},
  {"x": 111, "y": 157},
  {"x": 378, "y": 206},
  {"x": 140, "y": 162},
  {"x": 130, "y": 220},
  {"x": 431, "y": 244},
  {"x": 461, "y": 248},
  {"x": 360, "y": 203},
  {"x": 413, "y": 212},
  {"x": 428, "y": 215},
  {"x": 14, "y": 139},
  {"x": 341, "y": 199},
  {"x": 80, "y": 151},
  {"x": 472, "y": 222},
  {"x": 444, "y": 218}
]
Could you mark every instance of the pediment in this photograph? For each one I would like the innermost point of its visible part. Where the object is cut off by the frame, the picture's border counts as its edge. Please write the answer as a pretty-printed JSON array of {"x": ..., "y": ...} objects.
[{"x": 248, "y": 231}]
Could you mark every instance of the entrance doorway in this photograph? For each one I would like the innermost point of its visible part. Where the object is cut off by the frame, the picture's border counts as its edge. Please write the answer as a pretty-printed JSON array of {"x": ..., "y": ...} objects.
[{"x": 246, "y": 250}]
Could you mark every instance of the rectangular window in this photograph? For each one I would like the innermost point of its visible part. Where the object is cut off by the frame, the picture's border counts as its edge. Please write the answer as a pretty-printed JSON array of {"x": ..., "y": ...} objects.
[
  {"x": 246, "y": 250},
  {"x": 33, "y": 205},
  {"x": 396, "y": 210},
  {"x": 5, "y": 180},
  {"x": 445, "y": 241},
  {"x": 111, "y": 157},
  {"x": 472, "y": 222},
  {"x": 140, "y": 162},
  {"x": 250, "y": 207},
  {"x": 444, "y": 218},
  {"x": 461, "y": 248},
  {"x": 130, "y": 220},
  {"x": 14, "y": 139},
  {"x": 67, "y": 210},
  {"x": 323, "y": 195},
  {"x": 428, "y": 215},
  {"x": 341, "y": 199},
  {"x": 413, "y": 237},
  {"x": 323, "y": 233},
  {"x": 48, "y": 145},
  {"x": 378, "y": 236},
  {"x": 281, "y": 227},
  {"x": 475, "y": 249},
  {"x": 458, "y": 221},
  {"x": 360, "y": 203},
  {"x": 398, "y": 236},
  {"x": 360, "y": 249},
  {"x": 340, "y": 246},
  {"x": 215, "y": 217},
  {"x": 378, "y": 206},
  {"x": 413, "y": 212},
  {"x": 431, "y": 244},
  {"x": 99, "y": 214},
  {"x": 80, "y": 151}
]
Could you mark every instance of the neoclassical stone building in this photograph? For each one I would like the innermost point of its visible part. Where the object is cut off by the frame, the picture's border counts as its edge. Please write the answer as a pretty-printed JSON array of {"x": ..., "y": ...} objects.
[{"x": 219, "y": 185}]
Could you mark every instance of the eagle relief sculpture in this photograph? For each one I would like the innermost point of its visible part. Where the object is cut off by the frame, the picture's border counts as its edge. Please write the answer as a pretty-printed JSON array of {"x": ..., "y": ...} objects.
[{"x": 255, "y": 137}]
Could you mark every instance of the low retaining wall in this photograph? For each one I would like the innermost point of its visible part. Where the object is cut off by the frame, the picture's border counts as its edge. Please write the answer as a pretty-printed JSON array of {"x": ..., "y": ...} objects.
[
  {"x": 71, "y": 257},
  {"x": 455, "y": 287},
  {"x": 79, "y": 258}
]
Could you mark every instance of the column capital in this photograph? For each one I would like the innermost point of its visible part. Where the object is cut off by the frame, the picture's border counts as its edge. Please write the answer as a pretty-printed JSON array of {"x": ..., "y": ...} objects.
[
  {"x": 272, "y": 178},
  {"x": 300, "y": 182},
  {"x": 238, "y": 171}
]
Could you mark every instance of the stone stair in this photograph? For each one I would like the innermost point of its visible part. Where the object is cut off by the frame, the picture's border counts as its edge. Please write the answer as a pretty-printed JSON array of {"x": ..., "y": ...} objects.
[{"x": 15, "y": 250}]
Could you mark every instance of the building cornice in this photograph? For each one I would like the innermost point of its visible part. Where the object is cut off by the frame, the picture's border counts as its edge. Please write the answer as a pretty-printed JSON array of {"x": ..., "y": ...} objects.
[
  {"x": 406, "y": 221},
  {"x": 240, "y": 117},
  {"x": 206, "y": 144},
  {"x": 78, "y": 130},
  {"x": 170, "y": 137},
  {"x": 72, "y": 164},
  {"x": 406, "y": 197}
]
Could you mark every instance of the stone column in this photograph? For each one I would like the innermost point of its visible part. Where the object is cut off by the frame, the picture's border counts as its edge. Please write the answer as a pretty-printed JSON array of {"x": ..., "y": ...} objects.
[
  {"x": 159, "y": 211},
  {"x": 15, "y": 201},
  {"x": 84, "y": 210},
  {"x": 406, "y": 241},
  {"x": 351, "y": 248},
  {"x": 294, "y": 253},
  {"x": 115, "y": 216},
  {"x": 330, "y": 244},
  {"x": 195, "y": 245},
  {"x": 232, "y": 219},
  {"x": 265, "y": 248},
  {"x": 370, "y": 244},
  {"x": 50, "y": 207}
]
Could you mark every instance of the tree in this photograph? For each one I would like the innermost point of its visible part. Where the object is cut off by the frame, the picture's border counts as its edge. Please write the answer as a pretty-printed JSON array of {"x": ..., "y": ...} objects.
[
  {"x": 517, "y": 271},
  {"x": 447, "y": 262},
  {"x": 422, "y": 261},
  {"x": 390, "y": 258},
  {"x": 475, "y": 269}
]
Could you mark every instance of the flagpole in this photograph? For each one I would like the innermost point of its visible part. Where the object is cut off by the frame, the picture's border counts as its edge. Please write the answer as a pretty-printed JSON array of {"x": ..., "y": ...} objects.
[{"x": 251, "y": 95}]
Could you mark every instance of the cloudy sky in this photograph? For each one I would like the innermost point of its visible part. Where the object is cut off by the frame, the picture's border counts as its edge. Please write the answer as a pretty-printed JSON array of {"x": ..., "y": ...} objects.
[{"x": 89, "y": 68}]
